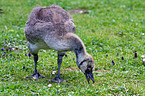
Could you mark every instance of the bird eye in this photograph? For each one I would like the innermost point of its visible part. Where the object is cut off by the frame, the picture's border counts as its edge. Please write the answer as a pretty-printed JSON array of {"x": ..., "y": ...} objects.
[
  {"x": 89, "y": 66},
  {"x": 74, "y": 29}
]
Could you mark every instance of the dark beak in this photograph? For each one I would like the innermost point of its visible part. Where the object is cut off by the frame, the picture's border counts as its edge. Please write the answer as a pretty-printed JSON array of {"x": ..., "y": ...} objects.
[{"x": 89, "y": 75}]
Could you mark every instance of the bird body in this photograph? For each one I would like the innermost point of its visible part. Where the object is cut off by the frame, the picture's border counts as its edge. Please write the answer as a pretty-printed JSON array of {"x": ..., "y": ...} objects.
[
  {"x": 59, "y": 44},
  {"x": 49, "y": 28},
  {"x": 53, "y": 28}
]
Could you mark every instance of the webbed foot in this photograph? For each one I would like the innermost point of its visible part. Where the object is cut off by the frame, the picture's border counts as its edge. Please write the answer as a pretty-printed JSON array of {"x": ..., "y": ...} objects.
[
  {"x": 36, "y": 75},
  {"x": 57, "y": 80}
]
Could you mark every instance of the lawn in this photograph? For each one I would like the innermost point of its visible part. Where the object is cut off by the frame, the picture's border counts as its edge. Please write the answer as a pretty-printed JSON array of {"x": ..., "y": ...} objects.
[{"x": 111, "y": 30}]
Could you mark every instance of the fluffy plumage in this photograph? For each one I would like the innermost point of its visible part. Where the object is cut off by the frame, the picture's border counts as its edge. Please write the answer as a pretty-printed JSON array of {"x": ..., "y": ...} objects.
[{"x": 53, "y": 28}]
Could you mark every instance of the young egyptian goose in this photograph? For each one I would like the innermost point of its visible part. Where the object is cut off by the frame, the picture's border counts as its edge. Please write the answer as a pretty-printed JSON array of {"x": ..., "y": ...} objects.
[{"x": 53, "y": 28}]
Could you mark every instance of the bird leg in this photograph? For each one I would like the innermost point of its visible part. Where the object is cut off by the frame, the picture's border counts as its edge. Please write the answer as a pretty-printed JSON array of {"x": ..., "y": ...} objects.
[
  {"x": 36, "y": 75},
  {"x": 57, "y": 78}
]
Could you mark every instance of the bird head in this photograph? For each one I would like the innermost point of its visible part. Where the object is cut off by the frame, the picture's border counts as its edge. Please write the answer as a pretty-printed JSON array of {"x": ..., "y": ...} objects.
[{"x": 86, "y": 66}]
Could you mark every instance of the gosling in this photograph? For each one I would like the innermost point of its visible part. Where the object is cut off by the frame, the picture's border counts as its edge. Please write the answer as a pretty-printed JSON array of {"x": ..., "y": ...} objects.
[{"x": 53, "y": 28}]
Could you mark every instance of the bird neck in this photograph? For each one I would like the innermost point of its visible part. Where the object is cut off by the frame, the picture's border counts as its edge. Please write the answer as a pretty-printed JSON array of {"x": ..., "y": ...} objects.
[
  {"x": 80, "y": 51},
  {"x": 80, "y": 55},
  {"x": 77, "y": 46}
]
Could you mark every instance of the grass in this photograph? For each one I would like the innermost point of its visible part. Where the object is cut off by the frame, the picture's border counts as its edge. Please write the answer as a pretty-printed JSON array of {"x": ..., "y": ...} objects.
[{"x": 111, "y": 27}]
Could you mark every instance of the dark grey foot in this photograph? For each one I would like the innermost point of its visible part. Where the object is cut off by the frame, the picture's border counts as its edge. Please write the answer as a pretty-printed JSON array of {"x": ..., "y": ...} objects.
[
  {"x": 36, "y": 75},
  {"x": 57, "y": 80}
]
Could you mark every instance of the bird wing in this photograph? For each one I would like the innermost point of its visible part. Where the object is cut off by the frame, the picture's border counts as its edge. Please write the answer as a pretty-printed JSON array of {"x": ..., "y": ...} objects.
[
  {"x": 50, "y": 21},
  {"x": 60, "y": 19}
]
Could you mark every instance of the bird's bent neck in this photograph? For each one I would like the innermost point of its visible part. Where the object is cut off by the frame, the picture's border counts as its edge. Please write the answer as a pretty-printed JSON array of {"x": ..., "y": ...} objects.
[
  {"x": 80, "y": 55},
  {"x": 77, "y": 46},
  {"x": 80, "y": 51}
]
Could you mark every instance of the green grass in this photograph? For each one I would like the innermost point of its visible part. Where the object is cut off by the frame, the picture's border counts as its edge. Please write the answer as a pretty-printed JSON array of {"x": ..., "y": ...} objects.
[{"x": 111, "y": 27}]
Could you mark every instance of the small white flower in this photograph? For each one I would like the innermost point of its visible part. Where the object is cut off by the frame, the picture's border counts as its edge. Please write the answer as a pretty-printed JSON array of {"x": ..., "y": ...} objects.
[
  {"x": 143, "y": 56},
  {"x": 13, "y": 48},
  {"x": 81, "y": 11},
  {"x": 136, "y": 24},
  {"x": 49, "y": 85},
  {"x": 72, "y": 92},
  {"x": 113, "y": 20},
  {"x": 53, "y": 72},
  {"x": 142, "y": 33},
  {"x": 6, "y": 27},
  {"x": 44, "y": 51}
]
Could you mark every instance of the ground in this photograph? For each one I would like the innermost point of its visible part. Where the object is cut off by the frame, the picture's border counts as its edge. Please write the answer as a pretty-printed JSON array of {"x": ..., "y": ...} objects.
[{"x": 110, "y": 30}]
